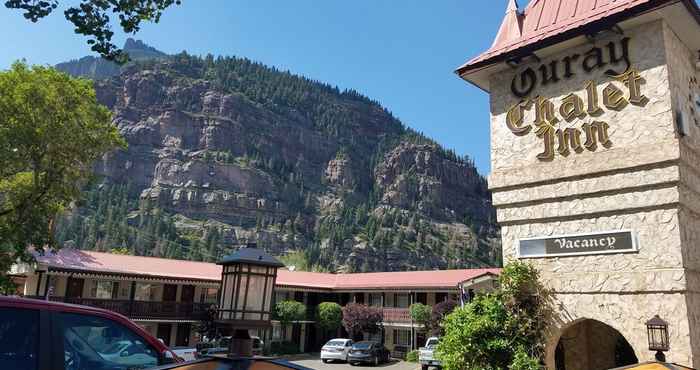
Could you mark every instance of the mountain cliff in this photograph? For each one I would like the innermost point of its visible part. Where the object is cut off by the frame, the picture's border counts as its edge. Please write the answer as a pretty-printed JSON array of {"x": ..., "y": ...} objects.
[{"x": 224, "y": 151}]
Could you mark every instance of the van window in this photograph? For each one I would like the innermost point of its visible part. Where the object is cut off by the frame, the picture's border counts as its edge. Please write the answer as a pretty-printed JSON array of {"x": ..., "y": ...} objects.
[
  {"x": 19, "y": 330},
  {"x": 90, "y": 342}
]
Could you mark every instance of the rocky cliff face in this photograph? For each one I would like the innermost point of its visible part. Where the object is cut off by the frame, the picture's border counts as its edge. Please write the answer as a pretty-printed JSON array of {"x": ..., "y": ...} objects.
[{"x": 225, "y": 151}]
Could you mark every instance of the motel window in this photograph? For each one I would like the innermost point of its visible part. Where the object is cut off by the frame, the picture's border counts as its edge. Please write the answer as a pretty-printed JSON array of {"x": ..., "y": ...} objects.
[
  {"x": 144, "y": 292},
  {"x": 209, "y": 295},
  {"x": 375, "y": 300},
  {"x": 281, "y": 296},
  {"x": 440, "y": 297},
  {"x": 401, "y": 300},
  {"x": 402, "y": 337},
  {"x": 105, "y": 289},
  {"x": 422, "y": 298}
]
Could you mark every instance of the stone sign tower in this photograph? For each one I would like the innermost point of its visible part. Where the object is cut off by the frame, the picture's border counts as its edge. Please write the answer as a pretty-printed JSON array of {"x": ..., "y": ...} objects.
[{"x": 595, "y": 159}]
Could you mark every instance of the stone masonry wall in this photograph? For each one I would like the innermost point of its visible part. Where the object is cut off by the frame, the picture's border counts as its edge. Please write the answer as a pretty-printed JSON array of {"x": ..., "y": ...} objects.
[
  {"x": 635, "y": 184},
  {"x": 683, "y": 78}
]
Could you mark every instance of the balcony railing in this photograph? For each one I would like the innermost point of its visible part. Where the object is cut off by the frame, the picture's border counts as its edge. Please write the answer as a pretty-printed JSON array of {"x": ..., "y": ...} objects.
[
  {"x": 143, "y": 309},
  {"x": 397, "y": 315}
]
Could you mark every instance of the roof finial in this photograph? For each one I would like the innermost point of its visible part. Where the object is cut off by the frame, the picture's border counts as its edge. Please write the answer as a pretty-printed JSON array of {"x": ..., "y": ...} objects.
[
  {"x": 512, "y": 6},
  {"x": 511, "y": 27}
]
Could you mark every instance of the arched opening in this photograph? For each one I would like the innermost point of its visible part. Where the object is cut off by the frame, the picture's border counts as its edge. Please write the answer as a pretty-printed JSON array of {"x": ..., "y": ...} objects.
[{"x": 592, "y": 345}]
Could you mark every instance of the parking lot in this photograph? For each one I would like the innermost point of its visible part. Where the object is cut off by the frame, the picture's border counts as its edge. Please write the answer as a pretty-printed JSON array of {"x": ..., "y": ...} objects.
[{"x": 313, "y": 362}]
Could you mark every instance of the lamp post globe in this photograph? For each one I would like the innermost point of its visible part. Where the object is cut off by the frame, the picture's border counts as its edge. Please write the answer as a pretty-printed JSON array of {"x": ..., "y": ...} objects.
[{"x": 248, "y": 278}]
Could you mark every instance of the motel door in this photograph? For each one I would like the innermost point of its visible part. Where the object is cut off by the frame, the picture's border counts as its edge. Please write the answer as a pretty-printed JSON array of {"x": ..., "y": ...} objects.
[
  {"x": 163, "y": 332},
  {"x": 183, "y": 335},
  {"x": 74, "y": 288},
  {"x": 169, "y": 297},
  {"x": 187, "y": 296}
]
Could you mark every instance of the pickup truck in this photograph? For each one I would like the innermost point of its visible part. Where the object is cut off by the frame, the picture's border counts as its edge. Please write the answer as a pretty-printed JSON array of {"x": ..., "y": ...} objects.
[{"x": 425, "y": 354}]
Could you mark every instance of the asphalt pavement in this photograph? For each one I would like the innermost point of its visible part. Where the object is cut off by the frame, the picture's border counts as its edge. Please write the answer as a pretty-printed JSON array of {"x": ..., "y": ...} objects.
[{"x": 314, "y": 362}]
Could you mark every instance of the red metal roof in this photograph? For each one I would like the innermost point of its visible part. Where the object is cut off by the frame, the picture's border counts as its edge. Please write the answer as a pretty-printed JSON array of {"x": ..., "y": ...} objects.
[
  {"x": 409, "y": 279},
  {"x": 98, "y": 262},
  {"x": 543, "y": 19},
  {"x": 89, "y": 261}
]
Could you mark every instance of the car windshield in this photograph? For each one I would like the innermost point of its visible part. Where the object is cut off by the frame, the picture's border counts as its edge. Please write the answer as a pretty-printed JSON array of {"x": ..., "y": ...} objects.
[
  {"x": 431, "y": 343},
  {"x": 336, "y": 343},
  {"x": 362, "y": 345}
]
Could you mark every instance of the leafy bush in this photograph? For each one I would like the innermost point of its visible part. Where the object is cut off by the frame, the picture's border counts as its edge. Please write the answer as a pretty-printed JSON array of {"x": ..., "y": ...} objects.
[
  {"x": 412, "y": 356},
  {"x": 329, "y": 315},
  {"x": 498, "y": 331},
  {"x": 421, "y": 314},
  {"x": 359, "y": 318},
  {"x": 284, "y": 348},
  {"x": 287, "y": 312}
]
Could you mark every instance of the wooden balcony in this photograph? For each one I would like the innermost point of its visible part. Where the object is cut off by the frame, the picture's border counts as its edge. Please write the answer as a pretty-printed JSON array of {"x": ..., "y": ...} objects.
[
  {"x": 143, "y": 309},
  {"x": 397, "y": 315}
]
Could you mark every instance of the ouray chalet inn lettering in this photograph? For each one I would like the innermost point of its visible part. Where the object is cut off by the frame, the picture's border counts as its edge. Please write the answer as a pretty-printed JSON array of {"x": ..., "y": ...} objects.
[{"x": 572, "y": 107}]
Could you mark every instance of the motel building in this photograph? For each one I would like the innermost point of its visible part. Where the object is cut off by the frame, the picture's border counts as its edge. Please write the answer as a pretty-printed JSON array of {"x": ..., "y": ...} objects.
[
  {"x": 169, "y": 297},
  {"x": 595, "y": 160}
]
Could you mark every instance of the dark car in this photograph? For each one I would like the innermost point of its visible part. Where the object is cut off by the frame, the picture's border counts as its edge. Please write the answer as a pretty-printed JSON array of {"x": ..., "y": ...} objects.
[
  {"x": 368, "y": 352},
  {"x": 36, "y": 334}
]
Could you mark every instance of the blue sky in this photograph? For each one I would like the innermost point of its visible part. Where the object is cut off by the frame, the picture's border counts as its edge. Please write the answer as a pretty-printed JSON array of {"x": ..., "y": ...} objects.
[{"x": 401, "y": 53}]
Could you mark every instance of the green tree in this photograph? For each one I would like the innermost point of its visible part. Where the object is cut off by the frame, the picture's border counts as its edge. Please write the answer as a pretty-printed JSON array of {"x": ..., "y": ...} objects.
[
  {"x": 52, "y": 129},
  {"x": 287, "y": 312},
  {"x": 120, "y": 250},
  {"x": 421, "y": 314},
  {"x": 91, "y": 19},
  {"x": 329, "y": 315},
  {"x": 503, "y": 330}
]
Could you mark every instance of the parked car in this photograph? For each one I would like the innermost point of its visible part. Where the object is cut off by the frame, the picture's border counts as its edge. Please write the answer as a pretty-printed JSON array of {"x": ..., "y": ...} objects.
[
  {"x": 426, "y": 354},
  {"x": 185, "y": 353},
  {"x": 221, "y": 345},
  {"x": 336, "y": 349},
  {"x": 368, "y": 352},
  {"x": 37, "y": 334}
]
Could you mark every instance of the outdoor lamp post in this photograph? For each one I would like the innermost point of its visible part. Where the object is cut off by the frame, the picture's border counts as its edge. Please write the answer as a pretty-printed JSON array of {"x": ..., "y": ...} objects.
[
  {"x": 247, "y": 287},
  {"x": 657, "y": 333}
]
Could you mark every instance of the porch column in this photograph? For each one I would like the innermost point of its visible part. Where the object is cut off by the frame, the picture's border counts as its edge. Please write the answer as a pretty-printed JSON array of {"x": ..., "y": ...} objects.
[
  {"x": 46, "y": 286},
  {"x": 132, "y": 294},
  {"x": 302, "y": 345},
  {"x": 412, "y": 296},
  {"x": 38, "y": 282}
]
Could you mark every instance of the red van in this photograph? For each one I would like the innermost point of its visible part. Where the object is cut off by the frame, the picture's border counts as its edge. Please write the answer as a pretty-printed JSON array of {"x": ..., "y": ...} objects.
[{"x": 39, "y": 335}]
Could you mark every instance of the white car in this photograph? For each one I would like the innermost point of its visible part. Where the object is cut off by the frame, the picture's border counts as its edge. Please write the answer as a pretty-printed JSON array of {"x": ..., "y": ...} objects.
[{"x": 336, "y": 349}]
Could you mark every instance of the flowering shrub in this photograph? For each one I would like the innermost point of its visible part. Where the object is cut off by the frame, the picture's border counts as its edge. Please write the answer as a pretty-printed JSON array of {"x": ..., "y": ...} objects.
[{"x": 501, "y": 330}]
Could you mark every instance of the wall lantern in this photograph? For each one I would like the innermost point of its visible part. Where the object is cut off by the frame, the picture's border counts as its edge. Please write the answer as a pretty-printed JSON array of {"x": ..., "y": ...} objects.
[
  {"x": 657, "y": 332},
  {"x": 247, "y": 287}
]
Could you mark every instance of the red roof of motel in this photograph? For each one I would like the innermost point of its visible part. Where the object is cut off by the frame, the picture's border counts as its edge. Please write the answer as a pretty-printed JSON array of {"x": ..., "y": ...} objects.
[
  {"x": 98, "y": 262},
  {"x": 89, "y": 261},
  {"x": 544, "y": 20}
]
